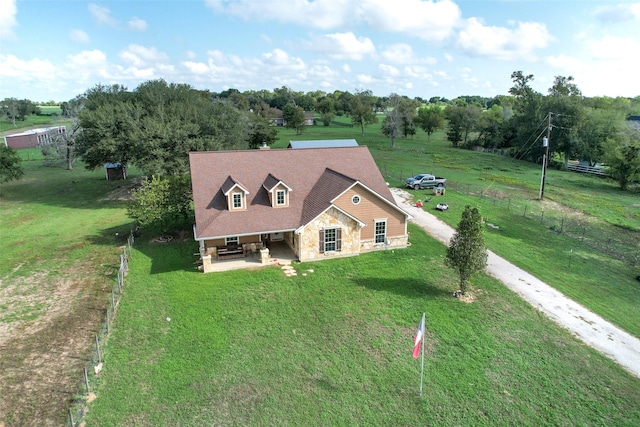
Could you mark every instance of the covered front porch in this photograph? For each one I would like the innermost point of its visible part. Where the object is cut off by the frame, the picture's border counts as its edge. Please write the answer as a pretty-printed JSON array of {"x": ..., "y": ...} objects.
[{"x": 245, "y": 255}]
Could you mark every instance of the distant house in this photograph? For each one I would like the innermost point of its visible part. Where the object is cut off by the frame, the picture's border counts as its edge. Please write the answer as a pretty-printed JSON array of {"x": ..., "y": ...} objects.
[
  {"x": 634, "y": 121},
  {"x": 319, "y": 202},
  {"x": 278, "y": 119},
  {"x": 34, "y": 138},
  {"x": 323, "y": 143}
]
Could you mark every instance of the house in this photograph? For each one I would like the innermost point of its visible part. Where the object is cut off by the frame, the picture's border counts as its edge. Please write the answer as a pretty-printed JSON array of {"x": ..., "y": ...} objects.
[
  {"x": 34, "y": 137},
  {"x": 323, "y": 143},
  {"x": 319, "y": 202},
  {"x": 278, "y": 118},
  {"x": 634, "y": 122}
]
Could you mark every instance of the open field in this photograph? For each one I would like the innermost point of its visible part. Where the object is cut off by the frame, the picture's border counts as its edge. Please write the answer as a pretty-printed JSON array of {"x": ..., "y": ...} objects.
[
  {"x": 59, "y": 255},
  {"x": 332, "y": 346},
  {"x": 33, "y": 122},
  {"x": 353, "y": 319}
]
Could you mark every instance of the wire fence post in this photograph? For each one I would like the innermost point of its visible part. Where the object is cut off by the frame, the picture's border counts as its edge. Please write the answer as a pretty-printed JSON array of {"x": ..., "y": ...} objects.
[
  {"x": 98, "y": 350},
  {"x": 86, "y": 379}
]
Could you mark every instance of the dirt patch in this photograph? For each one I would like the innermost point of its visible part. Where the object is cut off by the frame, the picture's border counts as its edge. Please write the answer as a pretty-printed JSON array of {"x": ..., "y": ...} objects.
[
  {"x": 123, "y": 192},
  {"x": 47, "y": 327}
]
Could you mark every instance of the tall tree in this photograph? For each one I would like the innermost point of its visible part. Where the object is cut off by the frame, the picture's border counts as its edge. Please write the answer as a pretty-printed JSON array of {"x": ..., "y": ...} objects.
[
  {"x": 528, "y": 115},
  {"x": 156, "y": 126},
  {"x": 361, "y": 109},
  {"x": 622, "y": 157},
  {"x": 62, "y": 147},
  {"x": 408, "y": 116},
  {"x": 10, "y": 168},
  {"x": 161, "y": 202},
  {"x": 392, "y": 124},
  {"x": 491, "y": 127},
  {"x": 294, "y": 118},
  {"x": 261, "y": 131},
  {"x": 430, "y": 119},
  {"x": 564, "y": 103},
  {"x": 455, "y": 117},
  {"x": 467, "y": 254},
  {"x": 327, "y": 110}
]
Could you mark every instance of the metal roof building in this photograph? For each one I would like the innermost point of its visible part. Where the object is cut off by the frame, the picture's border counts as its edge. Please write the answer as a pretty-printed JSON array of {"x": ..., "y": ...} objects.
[{"x": 323, "y": 143}]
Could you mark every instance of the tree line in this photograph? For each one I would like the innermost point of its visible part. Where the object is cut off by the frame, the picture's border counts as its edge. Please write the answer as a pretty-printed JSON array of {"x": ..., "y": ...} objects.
[{"x": 157, "y": 124}]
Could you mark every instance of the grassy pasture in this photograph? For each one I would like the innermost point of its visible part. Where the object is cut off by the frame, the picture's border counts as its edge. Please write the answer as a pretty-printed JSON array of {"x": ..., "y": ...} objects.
[
  {"x": 57, "y": 264},
  {"x": 332, "y": 346},
  {"x": 341, "y": 335}
]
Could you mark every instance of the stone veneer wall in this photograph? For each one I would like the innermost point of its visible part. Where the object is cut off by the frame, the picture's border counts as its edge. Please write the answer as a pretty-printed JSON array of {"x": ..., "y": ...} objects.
[
  {"x": 394, "y": 242},
  {"x": 309, "y": 244}
]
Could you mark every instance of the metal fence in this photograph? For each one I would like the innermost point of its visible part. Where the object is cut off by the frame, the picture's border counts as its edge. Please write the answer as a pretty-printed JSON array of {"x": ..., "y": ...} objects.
[
  {"x": 95, "y": 361},
  {"x": 610, "y": 240}
]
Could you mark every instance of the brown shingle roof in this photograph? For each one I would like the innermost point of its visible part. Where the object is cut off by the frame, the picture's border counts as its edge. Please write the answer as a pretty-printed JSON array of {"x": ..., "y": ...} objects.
[{"x": 316, "y": 176}]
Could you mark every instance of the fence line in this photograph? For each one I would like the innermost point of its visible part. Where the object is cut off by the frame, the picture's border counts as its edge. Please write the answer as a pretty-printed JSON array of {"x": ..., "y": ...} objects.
[
  {"x": 95, "y": 362},
  {"x": 612, "y": 241}
]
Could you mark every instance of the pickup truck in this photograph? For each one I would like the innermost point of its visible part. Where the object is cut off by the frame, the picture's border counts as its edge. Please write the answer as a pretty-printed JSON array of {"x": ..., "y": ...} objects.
[{"x": 425, "y": 180}]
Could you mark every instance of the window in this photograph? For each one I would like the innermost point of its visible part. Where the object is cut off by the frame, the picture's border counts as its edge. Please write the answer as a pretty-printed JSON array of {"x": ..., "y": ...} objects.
[
  {"x": 355, "y": 199},
  {"x": 330, "y": 240},
  {"x": 234, "y": 240},
  {"x": 380, "y": 231},
  {"x": 237, "y": 200},
  {"x": 280, "y": 197}
]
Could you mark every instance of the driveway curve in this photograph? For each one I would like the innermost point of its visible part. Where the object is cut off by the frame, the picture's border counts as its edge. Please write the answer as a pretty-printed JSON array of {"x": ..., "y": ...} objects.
[{"x": 600, "y": 334}]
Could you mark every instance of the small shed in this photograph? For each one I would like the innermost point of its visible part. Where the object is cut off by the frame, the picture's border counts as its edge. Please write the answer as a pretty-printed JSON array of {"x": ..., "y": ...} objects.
[
  {"x": 323, "y": 143},
  {"x": 115, "y": 171}
]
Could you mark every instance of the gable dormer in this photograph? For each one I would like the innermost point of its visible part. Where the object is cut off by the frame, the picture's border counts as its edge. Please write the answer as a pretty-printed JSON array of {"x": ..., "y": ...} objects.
[
  {"x": 236, "y": 195},
  {"x": 279, "y": 192}
]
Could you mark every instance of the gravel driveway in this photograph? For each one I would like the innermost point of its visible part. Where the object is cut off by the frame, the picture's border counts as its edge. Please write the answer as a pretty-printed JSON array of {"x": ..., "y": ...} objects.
[{"x": 605, "y": 337}]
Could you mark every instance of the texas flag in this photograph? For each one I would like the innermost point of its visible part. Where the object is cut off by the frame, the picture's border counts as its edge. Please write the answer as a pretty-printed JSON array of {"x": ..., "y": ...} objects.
[{"x": 418, "y": 339}]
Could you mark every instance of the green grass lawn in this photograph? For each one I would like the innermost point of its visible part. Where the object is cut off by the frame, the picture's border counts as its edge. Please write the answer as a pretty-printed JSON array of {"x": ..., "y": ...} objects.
[
  {"x": 596, "y": 279},
  {"x": 332, "y": 346}
]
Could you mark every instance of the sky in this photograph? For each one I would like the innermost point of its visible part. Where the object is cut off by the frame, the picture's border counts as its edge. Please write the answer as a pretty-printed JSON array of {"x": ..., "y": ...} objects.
[{"x": 57, "y": 49}]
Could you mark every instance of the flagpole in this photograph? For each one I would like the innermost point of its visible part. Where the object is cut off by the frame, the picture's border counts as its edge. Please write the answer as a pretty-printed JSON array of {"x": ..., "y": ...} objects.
[{"x": 422, "y": 367}]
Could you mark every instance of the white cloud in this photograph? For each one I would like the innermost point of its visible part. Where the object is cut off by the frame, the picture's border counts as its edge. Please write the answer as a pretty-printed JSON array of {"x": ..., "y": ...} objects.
[
  {"x": 29, "y": 70},
  {"x": 190, "y": 54},
  {"x": 402, "y": 53},
  {"x": 448, "y": 57},
  {"x": 137, "y": 24},
  {"x": 8, "y": 11},
  {"x": 417, "y": 72},
  {"x": 503, "y": 43},
  {"x": 389, "y": 70},
  {"x": 614, "y": 14},
  {"x": 609, "y": 56},
  {"x": 79, "y": 36},
  {"x": 140, "y": 56},
  {"x": 102, "y": 15},
  {"x": 611, "y": 47},
  {"x": 365, "y": 79},
  {"x": 343, "y": 46},
  {"x": 426, "y": 19},
  {"x": 323, "y": 14},
  {"x": 346, "y": 68}
]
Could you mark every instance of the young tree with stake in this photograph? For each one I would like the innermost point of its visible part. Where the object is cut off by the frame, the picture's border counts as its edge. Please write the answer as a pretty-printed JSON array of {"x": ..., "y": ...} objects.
[{"x": 467, "y": 254}]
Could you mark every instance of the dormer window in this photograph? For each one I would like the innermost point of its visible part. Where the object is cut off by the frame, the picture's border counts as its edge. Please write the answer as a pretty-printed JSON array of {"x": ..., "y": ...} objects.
[
  {"x": 278, "y": 191},
  {"x": 236, "y": 194},
  {"x": 237, "y": 200}
]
